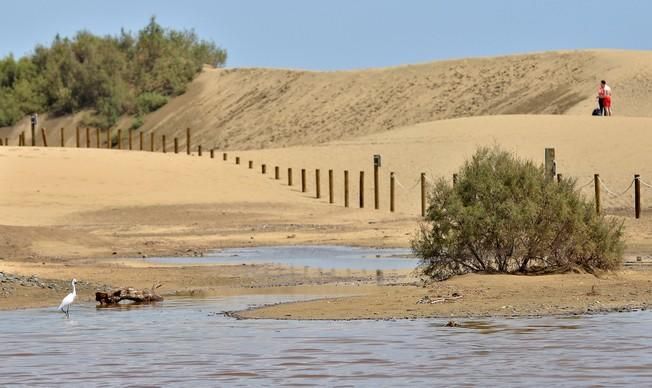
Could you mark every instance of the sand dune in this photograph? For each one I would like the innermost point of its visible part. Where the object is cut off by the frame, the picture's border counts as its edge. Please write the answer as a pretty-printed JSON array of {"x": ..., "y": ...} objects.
[
  {"x": 263, "y": 108},
  {"x": 180, "y": 198}
]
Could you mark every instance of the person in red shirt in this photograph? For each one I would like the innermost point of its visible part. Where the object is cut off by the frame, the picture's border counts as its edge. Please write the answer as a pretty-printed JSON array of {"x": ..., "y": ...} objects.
[{"x": 604, "y": 99}]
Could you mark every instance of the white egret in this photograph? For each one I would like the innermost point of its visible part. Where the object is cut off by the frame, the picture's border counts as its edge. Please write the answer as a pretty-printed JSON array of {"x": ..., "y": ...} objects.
[{"x": 67, "y": 301}]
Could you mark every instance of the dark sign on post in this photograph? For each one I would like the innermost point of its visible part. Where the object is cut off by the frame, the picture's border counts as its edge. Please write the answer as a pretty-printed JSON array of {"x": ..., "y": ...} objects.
[{"x": 376, "y": 160}]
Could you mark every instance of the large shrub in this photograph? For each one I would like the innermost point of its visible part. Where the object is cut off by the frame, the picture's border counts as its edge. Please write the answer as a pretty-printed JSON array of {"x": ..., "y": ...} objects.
[{"x": 504, "y": 216}]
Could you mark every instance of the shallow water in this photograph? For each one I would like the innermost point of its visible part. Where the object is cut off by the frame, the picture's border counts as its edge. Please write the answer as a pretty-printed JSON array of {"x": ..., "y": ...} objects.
[
  {"x": 314, "y": 256},
  {"x": 184, "y": 342}
]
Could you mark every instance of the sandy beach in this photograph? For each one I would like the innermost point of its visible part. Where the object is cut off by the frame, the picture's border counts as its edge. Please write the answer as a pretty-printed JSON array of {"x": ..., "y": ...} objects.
[{"x": 94, "y": 214}]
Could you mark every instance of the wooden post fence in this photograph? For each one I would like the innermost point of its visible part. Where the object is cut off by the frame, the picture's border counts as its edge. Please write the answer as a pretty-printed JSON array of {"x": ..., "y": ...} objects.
[
  {"x": 77, "y": 138},
  {"x": 88, "y": 137},
  {"x": 423, "y": 194},
  {"x": 330, "y": 187},
  {"x": 131, "y": 144},
  {"x": 164, "y": 150},
  {"x": 45, "y": 137},
  {"x": 637, "y": 195},
  {"x": 303, "y": 180},
  {"x": 108, "y": 138},
  {"x": 140, "y": 141},
  {"x": 188, "y": 141},
  {"x": 62, "y": 136},
  {"x": 224, "y": 156},
  {"x": 277, "y": 173},
  {"x": 391, "y": 192},
  {"x": 237, "y": 160},
  {"x": 596, "y": 185},
  {"x": 176, "y": 145},
  {"x": 263, "y": 168},
  {"x": 289, "y": 176},
  {"x": 97, "y": 137},
  {"x": 251, "y": 164},
  {"x": 119, "y": 139},
  {"x": 151, "y": 141},
  {"x": 317, "y": 184},
  {"x": 199, "y": 150},
  {"x": 346, "y": 188},
  {"x": 212, "y": 153},
  {"x": 361, "y": 193}
]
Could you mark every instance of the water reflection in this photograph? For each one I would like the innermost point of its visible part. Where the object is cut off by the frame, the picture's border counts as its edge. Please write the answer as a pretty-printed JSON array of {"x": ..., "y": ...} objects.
[
  {"x": 190, "y": 342},
  {"x": 314, "y": 256}
]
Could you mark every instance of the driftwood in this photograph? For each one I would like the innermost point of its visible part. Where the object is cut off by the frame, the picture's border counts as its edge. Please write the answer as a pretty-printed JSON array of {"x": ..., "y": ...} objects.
[{"x": 136, "y": 296}]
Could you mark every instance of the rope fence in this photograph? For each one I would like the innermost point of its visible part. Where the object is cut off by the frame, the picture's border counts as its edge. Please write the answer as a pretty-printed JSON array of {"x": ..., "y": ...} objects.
[{"x": 626, "y": 197}]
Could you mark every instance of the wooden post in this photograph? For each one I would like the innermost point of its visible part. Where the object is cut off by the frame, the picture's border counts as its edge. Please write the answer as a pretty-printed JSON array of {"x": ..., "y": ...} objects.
[
  {"x": 423, "y": 194},
  {"x": 212, "y": 153},
  {"x": 188, "y": 141},
  {"x": 303, "y": 180},
  {"x": 97, "y": 137},
  {"x": 88, "y": 137},
  {"x": 151, "y": 141},
  {"x": 224, "y": 156},
  {"x": 33, "y": 134},
  {"x": 131, "y": 144},
  {"x": 596, "y": 184},
  {"x": 376, "y": 188},
  {"x": 454, "y": 179},
  {"x": 346, "y": 188},
  {"x": 317, "y": 184},
  {"x": 251, "y": 164},
  {"x": 119, "y": 139},
  {"x": 237, "y": 160},
  {"x": 63, "y": 139},
  {"x": 199, "y": 150},
  {"x": 140, "y": 141},
  {"x": 277, "y": 173},
  {"x": 391, "y": 192},
  {"x": 637, "y": 196},
  {"x": 263, "y": 168},
  {"x": 330, "y": 187},
  {"x": 361, "y": 193},
  {"x": 164, "y": 148},
  {"x": 289, "y": 176},
  {"x": 1, "y": 143},
  {"x": 176, "y": 145},
  {"x": 45, "y": 137},
  {"x": 20, "y": 140},
  {"x": 551, "y": 164},
  {"x": 108, "y": 139},
  {"x": 77, "y": 138}
]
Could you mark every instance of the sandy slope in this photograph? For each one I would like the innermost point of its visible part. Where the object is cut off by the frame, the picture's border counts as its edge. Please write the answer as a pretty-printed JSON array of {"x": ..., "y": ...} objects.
[{"x": 261, "y": 108}]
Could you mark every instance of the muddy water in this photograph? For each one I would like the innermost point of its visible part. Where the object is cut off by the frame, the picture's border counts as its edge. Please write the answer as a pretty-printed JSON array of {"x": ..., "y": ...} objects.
[
  {"x": 316, "y": 256},
  {"x": 190, "y": 342}
]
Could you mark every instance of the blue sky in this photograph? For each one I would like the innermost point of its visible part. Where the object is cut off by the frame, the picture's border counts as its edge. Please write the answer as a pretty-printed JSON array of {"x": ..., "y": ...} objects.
[{"x": 345, "y": 34}]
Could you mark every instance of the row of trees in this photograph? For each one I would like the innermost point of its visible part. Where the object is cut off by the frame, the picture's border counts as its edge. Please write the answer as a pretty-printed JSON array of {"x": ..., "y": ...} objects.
[{"x": 110, "y": 75}]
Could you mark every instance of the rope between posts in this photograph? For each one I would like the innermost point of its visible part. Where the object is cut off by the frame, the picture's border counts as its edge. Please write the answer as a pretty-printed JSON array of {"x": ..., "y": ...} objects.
[
  {"x": 587, "y": 184},
  {"x": 611, "y": 193},
  {"x": 645, "y": 184},
  {"x": 403, "y": 187}
]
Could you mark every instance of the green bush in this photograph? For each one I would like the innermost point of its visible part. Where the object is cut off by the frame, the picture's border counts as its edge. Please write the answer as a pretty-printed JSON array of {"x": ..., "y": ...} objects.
[
  {"x": 504, "y": 216},
  {"x": 137, "y": 122},
  {"x": 149, "y": 102}
]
